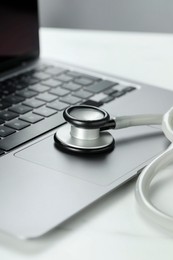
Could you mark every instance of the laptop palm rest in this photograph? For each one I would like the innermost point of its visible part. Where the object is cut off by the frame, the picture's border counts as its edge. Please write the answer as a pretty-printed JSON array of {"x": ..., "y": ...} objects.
[{"x": 133, "y": 147}]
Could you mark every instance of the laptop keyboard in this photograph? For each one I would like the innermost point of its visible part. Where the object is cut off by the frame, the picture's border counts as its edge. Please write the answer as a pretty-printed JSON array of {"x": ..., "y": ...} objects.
[{"x": 32, "y": 103}]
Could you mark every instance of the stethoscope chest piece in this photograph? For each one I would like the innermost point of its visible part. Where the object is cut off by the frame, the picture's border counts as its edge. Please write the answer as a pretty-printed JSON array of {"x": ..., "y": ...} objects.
[{"x": 83, "y": 132}]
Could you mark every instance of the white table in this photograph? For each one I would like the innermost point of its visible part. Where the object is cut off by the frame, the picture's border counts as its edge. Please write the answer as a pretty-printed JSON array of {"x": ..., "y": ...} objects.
[{"x": 113, "y": 228}]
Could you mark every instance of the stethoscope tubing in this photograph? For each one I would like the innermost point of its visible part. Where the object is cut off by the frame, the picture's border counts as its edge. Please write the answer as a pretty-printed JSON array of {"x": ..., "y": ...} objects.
[{"x": 145, "y": 179}]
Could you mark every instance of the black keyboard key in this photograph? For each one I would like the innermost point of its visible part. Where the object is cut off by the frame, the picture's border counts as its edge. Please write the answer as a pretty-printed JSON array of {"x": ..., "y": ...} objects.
[
  {"x": 90, "y": 77},
  {"x": 59, "y": 92},
  {"x": 13, "y": 99},
  {"x": 71, "y": 100},
  {"x": 20, "y": 86},
  {"x": 100, "y": 86},
  {"x": 7, "y": 91},
  {"x": 52, "y": 83},
  {"x": 46, "y": 97},
  {"x": 29, "y": 81},
  {"x": 45, "y": 111},
  {"x": 41, "y": 75},
  {"x": 34, "y": 103},
  {"x": 20, "y": 109},
  {"x": 31, "y": 132},
  {"x": 17, "y": 124},
  {"x": 92, "y": 103},
  {"x": 58, "y": 105},
  {"x": 5, "y": 131},
  {"x": 84, "y": 81},
  {"x": 4, "y": 104},
  {"x": 31, "y": 118},
  {"x": 74, "y": 74},
  {"x": 39, "y": 88},
  {"x": 82, "y": 94},
  {"x": 1, "y": 121},
  {"x": 107, "y": 99},
  {"x": 129, "y": 89},
  {"x": 71, "y": 86},
  {"x": 1, "y": 152},
  {"x": 118, "y": 94},
  {"x": 7, "y": 115},
  {"x": 64, "y": 78},
  {"x": 54, "y": 71},
  {"x": 26, "y": 93},
  {"x": 98, "y": 97},
  {"x": 110, "y": 91}
]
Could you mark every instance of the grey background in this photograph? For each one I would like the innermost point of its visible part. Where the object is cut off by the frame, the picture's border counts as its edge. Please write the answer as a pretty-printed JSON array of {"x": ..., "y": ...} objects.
[{"x": 122, "y": 15}]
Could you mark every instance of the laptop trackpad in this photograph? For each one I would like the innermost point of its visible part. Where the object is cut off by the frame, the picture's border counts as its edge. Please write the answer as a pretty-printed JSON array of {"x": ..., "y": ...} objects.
[{"x": 134, "y": 146}]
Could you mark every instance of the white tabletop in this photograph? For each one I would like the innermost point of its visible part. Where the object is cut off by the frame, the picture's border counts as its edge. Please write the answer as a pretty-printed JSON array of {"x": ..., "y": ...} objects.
[{"x": 113, "y": 228}]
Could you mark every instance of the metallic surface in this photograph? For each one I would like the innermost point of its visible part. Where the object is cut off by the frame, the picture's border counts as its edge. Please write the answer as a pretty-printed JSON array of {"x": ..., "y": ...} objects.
[
  {"x": 63, "y": 134},
  {"x": 88, "y": 114},
  {"x": 84, "y": 134},
  {"x": 42, "y": 187}
]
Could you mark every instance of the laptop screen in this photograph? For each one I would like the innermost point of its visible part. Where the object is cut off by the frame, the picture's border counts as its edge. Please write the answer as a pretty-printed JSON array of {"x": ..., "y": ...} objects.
[{"x": 18, "y": 32}]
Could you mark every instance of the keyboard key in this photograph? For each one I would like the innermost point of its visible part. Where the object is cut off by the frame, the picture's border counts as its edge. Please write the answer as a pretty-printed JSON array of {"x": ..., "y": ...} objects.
[
  {"x": 57, "y": 105},
  {"x": 110, "y": 91},
  {"x": 71, "y": 86},
  {"x": 39, "y": 88},
  {"x": 17, "y": 124},
  {"x": 83, "y": 81},
  {"x": 13, "y": 99},
  {"x": 31, "y": 132},
  {"x": 1, "y": 152},
  {"x": 59, "y": 92},
  {"x": 52, "y": 83},
  {"x": 45, "y": 111},
  {"x": 7, "y": 91},
  {"x": 118, "y": 94},
  {"x": 5, "y": 131},
  {"x": 26, "y": 93},
  {"x": 41, "y": 75},
  {"x": 30, "y": 81},
  {"x": 7, "y": 115},
  {"x": 64, "y": 78},
  {"x": 82, "y": 94},
  {"x": 100, "y": 86},
  {"x": 90, "y": 77},
  {"x": 1, "y": 121},
  {"x": 129, "y": 89},
  {"x": 74, "y": 74},
  {"x": 46, "y": 97},
  {"x": 107, "y": 99},
  {"x": 98, "y": 97},
  {"x": 4, "y": 104},
  {"x": 34, "y": 103},
  {"x": 20, "y": 86},
  {"x": 54, "y": 71},
  {"x": 31, "y": 118},
  {"x": 90, "y": 102},
  {"x": 71, "y": 100},
  {"x": 20, "y": 109}
]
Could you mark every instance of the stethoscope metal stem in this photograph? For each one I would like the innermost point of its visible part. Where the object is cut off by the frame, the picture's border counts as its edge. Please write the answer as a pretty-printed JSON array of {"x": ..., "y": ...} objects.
[{"x": 84, "y": 134}]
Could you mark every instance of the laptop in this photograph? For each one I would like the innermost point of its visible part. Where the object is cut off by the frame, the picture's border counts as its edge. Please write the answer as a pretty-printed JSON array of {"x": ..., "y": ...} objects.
[{"x": 40, "y": 186}]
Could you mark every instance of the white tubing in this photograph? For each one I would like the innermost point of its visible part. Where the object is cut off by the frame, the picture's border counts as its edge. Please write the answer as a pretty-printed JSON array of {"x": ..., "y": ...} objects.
[
  {"x": 147, "y": 175},
  {"x": 161, "y": 162},
  {"x": 143, "y": 186},
  {"x": 136, "y": 120}
]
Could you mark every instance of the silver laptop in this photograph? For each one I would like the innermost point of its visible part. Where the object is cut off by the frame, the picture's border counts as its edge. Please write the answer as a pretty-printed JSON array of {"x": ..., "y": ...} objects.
[{"x": 40, "y": 186}]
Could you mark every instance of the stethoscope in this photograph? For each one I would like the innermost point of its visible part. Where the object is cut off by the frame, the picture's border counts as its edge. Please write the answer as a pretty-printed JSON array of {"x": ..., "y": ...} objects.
[{"x": 86, "y": 133}]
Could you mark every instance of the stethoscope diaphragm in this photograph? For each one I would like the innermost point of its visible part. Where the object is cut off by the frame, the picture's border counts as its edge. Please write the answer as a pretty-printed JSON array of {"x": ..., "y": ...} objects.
[{"x": 83, "y": 133}]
